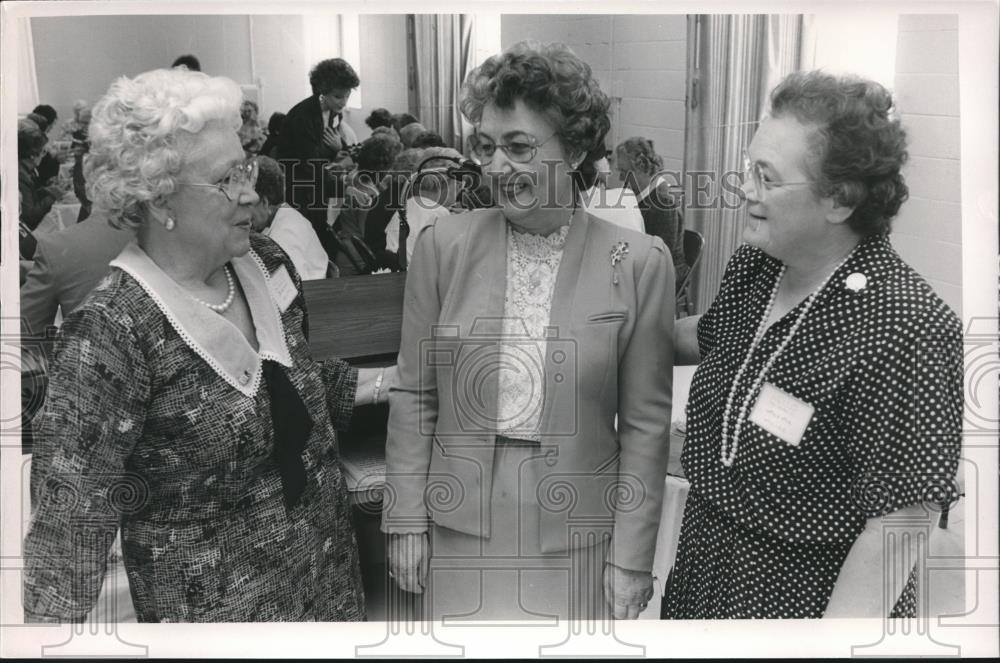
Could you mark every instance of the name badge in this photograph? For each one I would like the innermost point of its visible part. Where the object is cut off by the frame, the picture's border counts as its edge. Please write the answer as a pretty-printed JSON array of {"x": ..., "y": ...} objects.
[
  {"x": 781, "y": 414},
  {"x": 282, "y": 289}
]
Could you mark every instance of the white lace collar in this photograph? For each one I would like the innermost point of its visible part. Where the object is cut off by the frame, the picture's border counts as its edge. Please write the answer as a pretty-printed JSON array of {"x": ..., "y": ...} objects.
[
  {"x": 211, "y": 336},
  {"x": 539, "y": 245}
]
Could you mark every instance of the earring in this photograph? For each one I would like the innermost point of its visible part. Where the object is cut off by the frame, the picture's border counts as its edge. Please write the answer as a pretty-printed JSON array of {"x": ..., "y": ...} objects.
[{"x": 169, "y": 225}]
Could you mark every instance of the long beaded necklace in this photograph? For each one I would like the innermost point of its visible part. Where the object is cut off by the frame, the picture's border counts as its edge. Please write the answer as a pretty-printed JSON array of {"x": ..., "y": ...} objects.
[
  {"x": 728, "y": 453},
  {"x": 224, "y": 306}
]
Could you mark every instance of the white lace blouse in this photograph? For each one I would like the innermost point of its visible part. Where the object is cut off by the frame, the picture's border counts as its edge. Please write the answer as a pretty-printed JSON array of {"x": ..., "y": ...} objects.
[{"x": 532, "y": 266}]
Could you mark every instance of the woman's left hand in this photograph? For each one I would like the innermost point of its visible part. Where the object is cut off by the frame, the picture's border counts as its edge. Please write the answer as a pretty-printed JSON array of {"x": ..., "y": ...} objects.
[
  {"x": 368, "y": 378},
  {"x": 627, "y": 592}
]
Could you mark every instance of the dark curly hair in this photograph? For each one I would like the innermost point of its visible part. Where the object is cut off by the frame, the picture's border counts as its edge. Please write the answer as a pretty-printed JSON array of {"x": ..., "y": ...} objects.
[
  {"x": 46, "y": 111},
  {"x": 380, "y": 117},
  {"x": 550, "y": 79},
  {"x": 189, "y": 61},
  {"x": 859, "y": 145},
  {"x": 428, "y": 139},
  {"x": 401, "y": 120},
  {"x": 641, "y": 154},
  {"x": 270, "y": 180},
  {"x": 275, "y": 123},
  {"x": 30, "y": 140},
  {"x": 378, "y": 152},
  {"x": 331, "y": 74}
]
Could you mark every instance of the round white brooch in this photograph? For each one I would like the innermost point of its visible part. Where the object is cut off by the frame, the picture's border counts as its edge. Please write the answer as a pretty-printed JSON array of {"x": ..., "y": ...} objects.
[{"x": 856, "y": 282}]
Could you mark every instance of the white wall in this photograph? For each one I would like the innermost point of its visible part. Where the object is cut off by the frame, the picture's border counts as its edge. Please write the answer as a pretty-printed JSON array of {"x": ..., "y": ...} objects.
[
  {"x": 928, "y": 231},
  {"x": 78, "y": 57},
  {"x": 841, "y": 43},
  {"x": 916, "y": 56},
  {"x": 639, "y": 60},
  {"x": 280, "y": 62},
  {"x": 383, "y": 68}
]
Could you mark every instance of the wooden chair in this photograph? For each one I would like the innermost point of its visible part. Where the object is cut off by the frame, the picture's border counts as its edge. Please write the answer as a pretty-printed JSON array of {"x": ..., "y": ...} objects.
[{"x": 694, "y": 242}]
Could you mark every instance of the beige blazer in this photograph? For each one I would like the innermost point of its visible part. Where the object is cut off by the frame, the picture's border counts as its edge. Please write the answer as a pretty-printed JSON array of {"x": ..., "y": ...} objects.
[{"x": 609, "y": 353}]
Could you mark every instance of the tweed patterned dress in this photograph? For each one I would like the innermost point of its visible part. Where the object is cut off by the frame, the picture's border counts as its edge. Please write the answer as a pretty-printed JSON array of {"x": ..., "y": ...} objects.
[{"x": 150, "y": 425}]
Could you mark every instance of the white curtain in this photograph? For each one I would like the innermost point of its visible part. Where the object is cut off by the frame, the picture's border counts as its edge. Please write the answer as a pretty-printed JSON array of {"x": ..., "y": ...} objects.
[
  {"x": 441, "y": 56},
  {"x": 734, "y": 61},
  {"x": 334, "y": 36},
  {"x": 27, "y": 78}
]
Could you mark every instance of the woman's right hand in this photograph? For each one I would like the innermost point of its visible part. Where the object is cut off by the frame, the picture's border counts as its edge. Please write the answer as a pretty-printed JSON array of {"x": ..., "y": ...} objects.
[
  {"x": 409, "y": 558},
  {"x": 332, "y": 140}
]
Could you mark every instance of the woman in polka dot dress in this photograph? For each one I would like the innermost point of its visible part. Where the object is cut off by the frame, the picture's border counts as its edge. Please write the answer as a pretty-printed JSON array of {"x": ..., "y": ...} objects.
[{"x": 829, "y": 390}]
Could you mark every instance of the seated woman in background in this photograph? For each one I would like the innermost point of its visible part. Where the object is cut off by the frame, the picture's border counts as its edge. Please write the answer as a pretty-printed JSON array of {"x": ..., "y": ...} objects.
[
  {"x": 829, "y": 392},
  {"x": 270, "y": 146},
  {"x": 250, "y": 133},
  {"x": 387, "y": 203},
  {"x": 502, "y": 438},
  {"x": 183, "y": 404},
  {"x": 375, "y": 157},
  {"x": 36, "y": 200},
  {"x": 428, "y": 139},
  {"x": 380, "y": 117},
  {"x": 79, "y": 123},
  {"x": 56, "y": 152},
  {"x": 619, "y": 206},
  {"x": 639, "y": 167},
  {"x": 431, "y": 195},
  {"x": 273, "y": 217}
]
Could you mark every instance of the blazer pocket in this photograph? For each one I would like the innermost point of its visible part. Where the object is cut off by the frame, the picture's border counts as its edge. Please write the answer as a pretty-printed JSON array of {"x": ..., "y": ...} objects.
[{"x": 610, "y": 316}]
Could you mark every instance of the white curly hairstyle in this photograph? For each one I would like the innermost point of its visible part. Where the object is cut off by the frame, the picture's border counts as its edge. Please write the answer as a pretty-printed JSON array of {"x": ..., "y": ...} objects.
[{"x": 135, "y": 152}]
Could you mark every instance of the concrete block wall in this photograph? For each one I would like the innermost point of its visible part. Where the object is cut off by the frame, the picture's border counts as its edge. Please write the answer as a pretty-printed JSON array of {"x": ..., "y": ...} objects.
[
  {"x": 928, "y": 231},
  {"x": 639, "y": 60}
]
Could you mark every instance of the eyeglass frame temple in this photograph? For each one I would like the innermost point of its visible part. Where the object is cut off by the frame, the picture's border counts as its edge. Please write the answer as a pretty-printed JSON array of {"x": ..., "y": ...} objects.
[{"x": 750, "y": 166}]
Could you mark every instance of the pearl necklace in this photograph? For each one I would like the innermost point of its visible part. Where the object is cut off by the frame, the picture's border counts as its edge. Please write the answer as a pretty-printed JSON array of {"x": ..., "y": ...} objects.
[
  {"x": 224, "y": 306},
  {"x": 728, "y": 454}
]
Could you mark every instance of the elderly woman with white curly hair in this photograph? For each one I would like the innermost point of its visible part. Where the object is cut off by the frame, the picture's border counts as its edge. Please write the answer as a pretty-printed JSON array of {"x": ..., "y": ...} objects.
[{"x": 184, "y": 406}]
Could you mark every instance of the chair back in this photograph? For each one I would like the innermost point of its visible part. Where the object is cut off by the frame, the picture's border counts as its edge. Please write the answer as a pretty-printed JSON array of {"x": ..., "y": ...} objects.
[{"x": 694, "y": 242}]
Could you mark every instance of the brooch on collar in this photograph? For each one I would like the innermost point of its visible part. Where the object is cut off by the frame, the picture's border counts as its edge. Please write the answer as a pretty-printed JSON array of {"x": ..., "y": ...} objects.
[
  {"x": 618, "y": 253},
  {"x": 856, "y": 282}
]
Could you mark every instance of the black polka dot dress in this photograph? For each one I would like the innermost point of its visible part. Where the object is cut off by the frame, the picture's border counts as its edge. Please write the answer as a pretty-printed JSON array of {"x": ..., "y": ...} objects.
[{"x": 879, "y": 357}]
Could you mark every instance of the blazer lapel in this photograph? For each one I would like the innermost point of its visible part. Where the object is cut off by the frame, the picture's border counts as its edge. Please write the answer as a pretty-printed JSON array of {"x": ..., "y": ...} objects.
[
  {"x": 488, "y": 287},
  {"x": 316, "y": 119},
  {"x": 560, "y": 322}
]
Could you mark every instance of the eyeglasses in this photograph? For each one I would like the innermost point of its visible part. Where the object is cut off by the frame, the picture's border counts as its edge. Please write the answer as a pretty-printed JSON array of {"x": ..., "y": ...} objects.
[
  {"x": 518, "y": 151},
  {"x": 244, "y": 174},
  {"x": 753, "y": 171}
]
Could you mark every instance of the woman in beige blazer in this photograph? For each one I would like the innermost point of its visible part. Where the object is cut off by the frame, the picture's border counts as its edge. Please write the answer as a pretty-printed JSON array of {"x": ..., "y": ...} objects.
[{"x": 528, "y": 433}]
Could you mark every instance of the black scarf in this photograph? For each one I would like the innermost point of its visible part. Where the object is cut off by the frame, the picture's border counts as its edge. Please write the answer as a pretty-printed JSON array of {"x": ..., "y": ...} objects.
[{"x": 292, "y": 425}]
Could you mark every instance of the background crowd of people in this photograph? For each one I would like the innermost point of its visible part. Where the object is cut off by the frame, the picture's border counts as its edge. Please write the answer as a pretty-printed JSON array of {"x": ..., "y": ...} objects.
[{"x": 186, "y": 370}]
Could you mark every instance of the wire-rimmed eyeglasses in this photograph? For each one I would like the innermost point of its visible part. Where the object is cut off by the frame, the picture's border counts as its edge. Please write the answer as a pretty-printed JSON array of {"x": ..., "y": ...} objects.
[
  {"x": 518, "y": 151},
  {"x": 753, "y": 171},
  {"x": 244, "y": 174}
]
